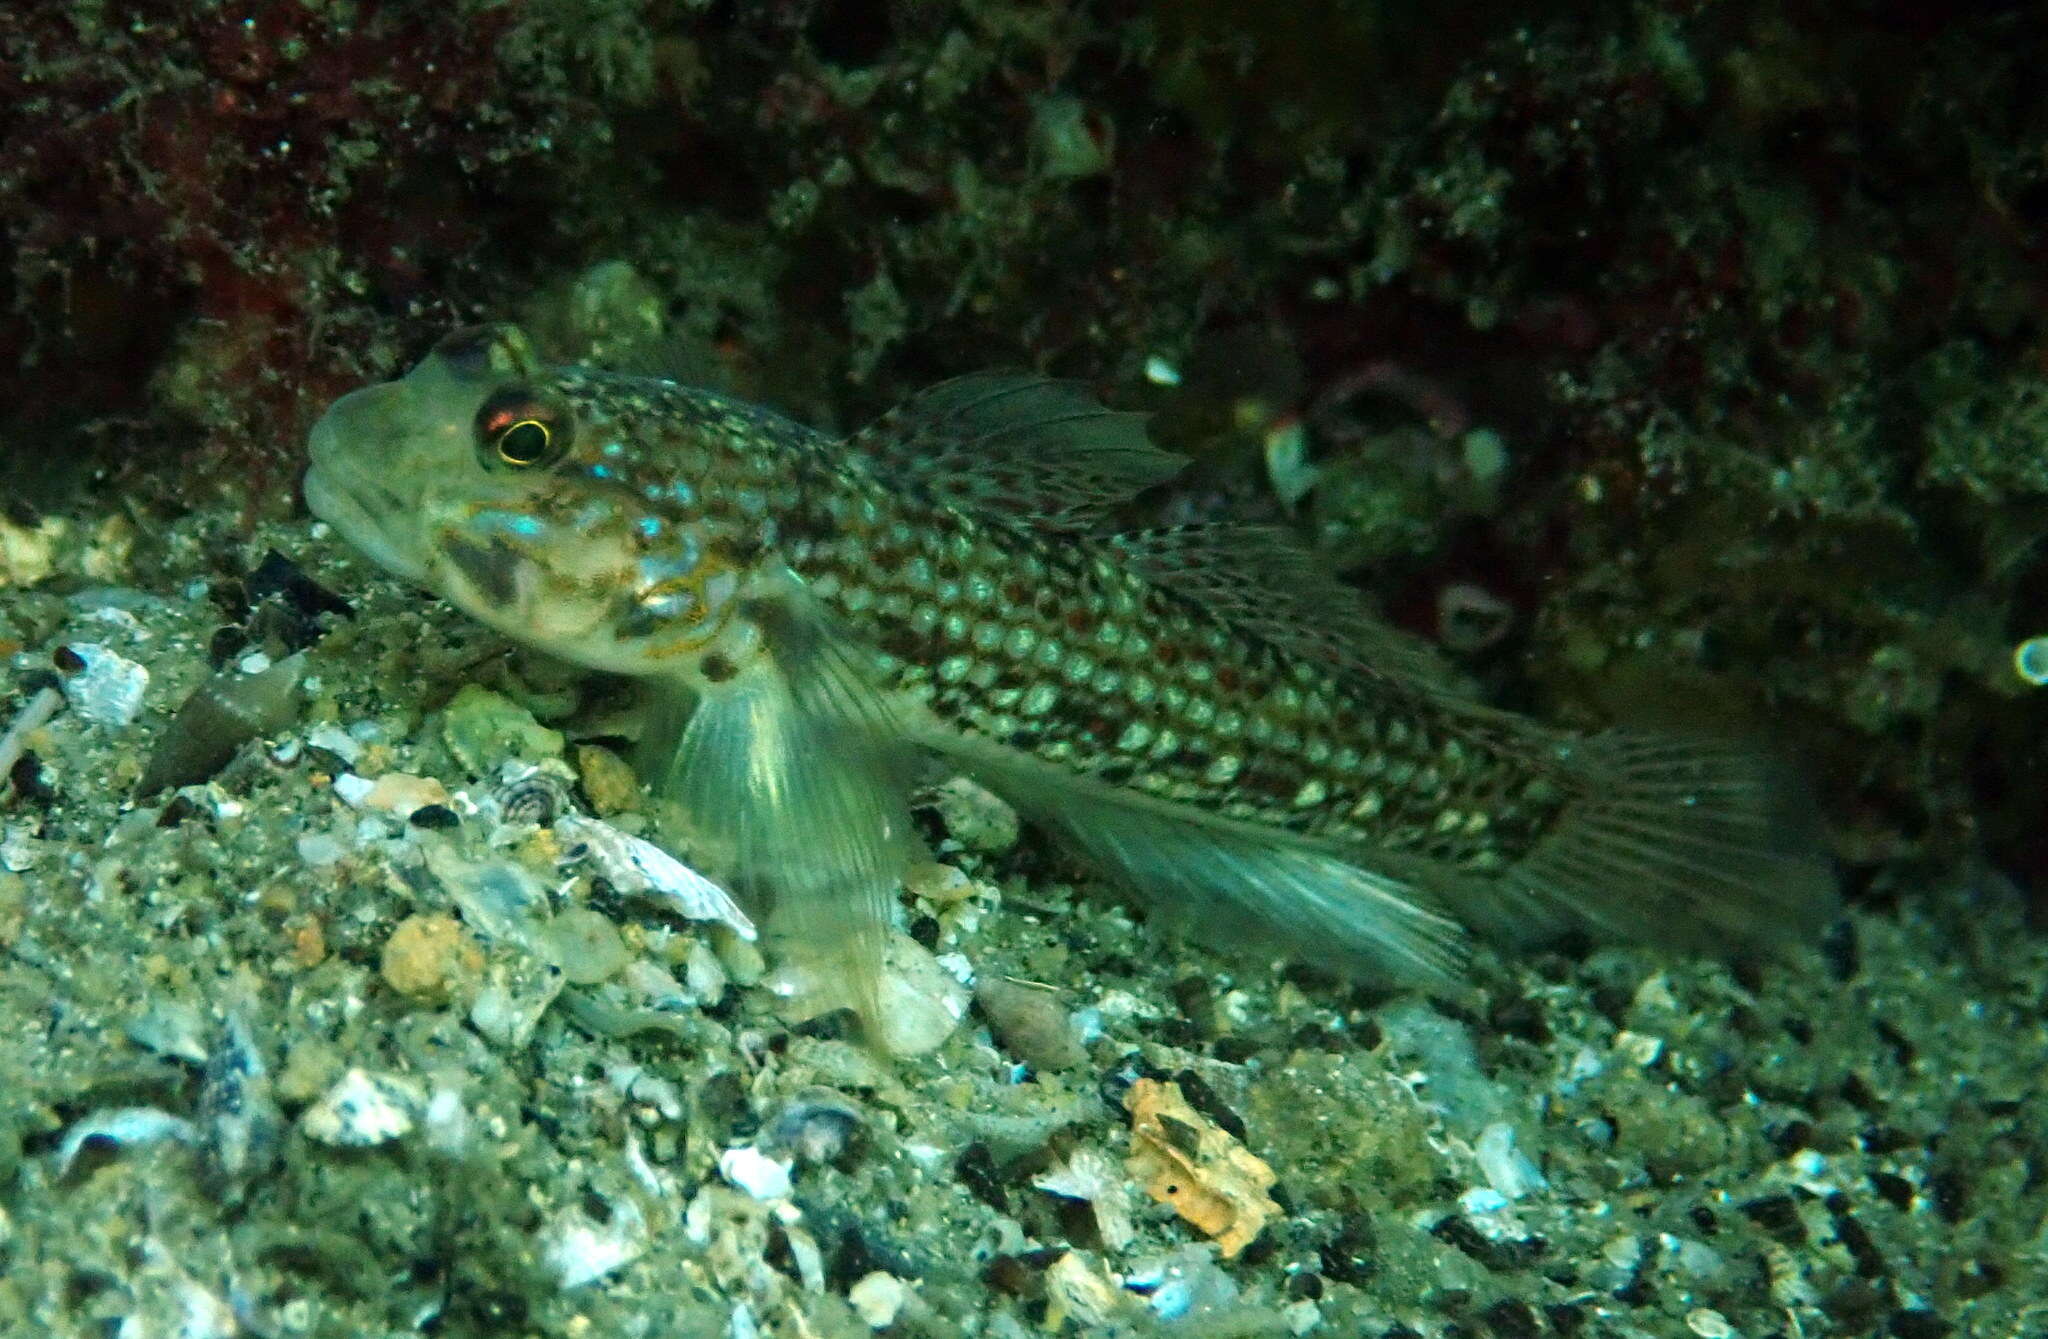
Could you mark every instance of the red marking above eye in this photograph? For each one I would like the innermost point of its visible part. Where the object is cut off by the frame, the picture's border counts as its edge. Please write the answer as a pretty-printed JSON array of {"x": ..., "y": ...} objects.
[{"x": 500, "y": 419}]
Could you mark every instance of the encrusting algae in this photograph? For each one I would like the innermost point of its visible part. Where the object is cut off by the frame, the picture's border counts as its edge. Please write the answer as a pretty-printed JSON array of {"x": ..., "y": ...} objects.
[{"x": 1197, "y": 710}]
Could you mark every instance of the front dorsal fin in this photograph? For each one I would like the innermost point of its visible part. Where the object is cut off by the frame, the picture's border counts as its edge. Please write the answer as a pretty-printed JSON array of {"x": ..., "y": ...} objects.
[
  {"x": 1256, "y": 578},
  {"x": 1015, "y": 446}
]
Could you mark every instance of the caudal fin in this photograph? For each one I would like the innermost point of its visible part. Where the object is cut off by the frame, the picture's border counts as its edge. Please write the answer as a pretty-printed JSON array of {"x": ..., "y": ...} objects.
[{"x": 1675, "y": 841}]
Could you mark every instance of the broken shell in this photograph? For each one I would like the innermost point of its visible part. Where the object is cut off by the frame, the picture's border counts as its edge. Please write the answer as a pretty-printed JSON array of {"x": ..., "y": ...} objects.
[
  {"x": 919, "y": 1003},
  {"x": 877, "y": 1298},
  {"x": 817, "y": 1125},
  {"x": 748, "y": 1168},
  {"x": 136, "y": 1127},
  {"x": 170, "y": 1027},
  {"x": 529, "y": 795},
  {"x": 224, "y": 713},
  {"x": 579, "y": 1251},
  {"x": 1090, "y": 1176},
  {"x": 1078, "y": 1287},
  {"x": 363, "y": 1110},
  {"x": 106, "y": 688},
  {"x": 639, "y": 868}
]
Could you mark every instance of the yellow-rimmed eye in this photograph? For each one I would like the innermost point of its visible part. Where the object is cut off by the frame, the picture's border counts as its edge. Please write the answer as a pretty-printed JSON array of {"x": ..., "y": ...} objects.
[
  {"x": 525, "y": 442},
  {"x": 514, "y": 428}
]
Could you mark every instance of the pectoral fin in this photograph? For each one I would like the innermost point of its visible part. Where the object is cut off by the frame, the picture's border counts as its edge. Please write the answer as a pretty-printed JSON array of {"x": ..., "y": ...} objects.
[{"x": 790, "y": 780}]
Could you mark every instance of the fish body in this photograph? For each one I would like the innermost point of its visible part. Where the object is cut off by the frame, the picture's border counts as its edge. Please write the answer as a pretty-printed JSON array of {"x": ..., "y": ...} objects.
[{"x": 1197, "y": 710}]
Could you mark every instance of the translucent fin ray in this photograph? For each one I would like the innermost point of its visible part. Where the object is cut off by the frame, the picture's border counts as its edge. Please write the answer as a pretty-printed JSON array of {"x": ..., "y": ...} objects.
[
  {"x": 790, "y": 781},
  {"x": 1233, "y": 883},
  {"x": 1677, "y": 841},
  {"x": 1016, "y": 447},
  {"x": 1257, "y": 578}
]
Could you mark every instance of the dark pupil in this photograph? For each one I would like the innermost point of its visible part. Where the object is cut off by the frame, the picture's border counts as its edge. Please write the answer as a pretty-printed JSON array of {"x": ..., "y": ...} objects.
[{"x": 523, "y": 443}]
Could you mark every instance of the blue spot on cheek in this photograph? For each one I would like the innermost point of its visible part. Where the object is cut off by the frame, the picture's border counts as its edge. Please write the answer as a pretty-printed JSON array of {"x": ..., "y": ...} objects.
[
  {"x": 649, "y": 526},
  {"x": 512, "y": 523},
  {"x": 602, "y": 471}
]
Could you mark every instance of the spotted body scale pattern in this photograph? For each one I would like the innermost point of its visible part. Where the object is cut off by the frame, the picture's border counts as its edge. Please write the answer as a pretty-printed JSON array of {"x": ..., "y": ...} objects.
[
  {"x": 1053, "y": 646},
  {"x": 1198, "y": 711}
]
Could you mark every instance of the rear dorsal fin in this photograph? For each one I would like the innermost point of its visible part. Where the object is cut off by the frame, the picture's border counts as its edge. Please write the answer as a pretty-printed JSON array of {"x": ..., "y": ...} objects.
[
  {"x": 1016, "y": 447},
  {"x": 1256, "y": 578}
]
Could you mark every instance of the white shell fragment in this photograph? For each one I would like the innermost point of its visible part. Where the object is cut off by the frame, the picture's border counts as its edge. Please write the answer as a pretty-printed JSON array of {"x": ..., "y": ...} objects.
[
  {"x": 1507, "y": 1169},
  {"x": 920, "y": 1003},
  {"x": 1089, "y": 1175},
  {"x": 579, "y": 1251},
  {"x": 363, "y": 1109},
  {"x": 134, "y": 1127},
  {"x": 877, "y": 1298},
  {"x": 640, "y": 868},
  {"x": 753, "y": 1171},
  {"x": 108, "y": 691}
]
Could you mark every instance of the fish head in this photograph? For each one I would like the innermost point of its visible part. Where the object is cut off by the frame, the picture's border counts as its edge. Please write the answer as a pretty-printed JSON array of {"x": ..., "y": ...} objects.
[{"x": 505, "y": 487}]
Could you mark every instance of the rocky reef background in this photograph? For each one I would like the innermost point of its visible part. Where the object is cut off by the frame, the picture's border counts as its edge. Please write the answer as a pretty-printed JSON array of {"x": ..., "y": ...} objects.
[
  {"x": 1679, "y": 362},
  {"x": 1743, "y": 300}
]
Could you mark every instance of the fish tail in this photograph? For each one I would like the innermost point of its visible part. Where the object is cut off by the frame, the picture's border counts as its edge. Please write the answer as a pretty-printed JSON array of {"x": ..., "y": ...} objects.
[{"x": 1666, "y": 839}]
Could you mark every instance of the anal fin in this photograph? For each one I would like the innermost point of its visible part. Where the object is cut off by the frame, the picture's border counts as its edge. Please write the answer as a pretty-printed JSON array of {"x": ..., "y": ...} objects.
[{"x": 1237, "y": 884}]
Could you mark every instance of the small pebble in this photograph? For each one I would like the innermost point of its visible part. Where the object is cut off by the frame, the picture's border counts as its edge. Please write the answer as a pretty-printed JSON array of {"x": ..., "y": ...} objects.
[
  {"x": 1030, "y": 1022},
  {"x": 877, "y": 1299},
  {"x": 940, "y": 885},
  {"x": 975, "y": 816},
  {"x": 319, "y": 850},
  {"x": 586, "y": 946},
  {"x": 704, "y": 974},
  {"x": 403, "y": 794},
  {"x": 427, "y": 956},
  {"x": 748, "y": 1168},
  {"x": 363, "y": 1110},
  {"x": 608, "y": 781},
  {"x": 484, "y": 729},
  {"x": 1708, "y": 1323},
  {"x": 738, "y": 954}
]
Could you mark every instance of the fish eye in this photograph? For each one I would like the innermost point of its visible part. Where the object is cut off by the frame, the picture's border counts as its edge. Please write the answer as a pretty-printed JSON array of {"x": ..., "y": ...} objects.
[{"x": 517, "y": 429}]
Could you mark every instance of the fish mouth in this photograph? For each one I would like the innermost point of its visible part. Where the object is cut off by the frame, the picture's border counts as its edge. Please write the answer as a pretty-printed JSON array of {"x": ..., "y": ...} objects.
[{"x": 358, "y": 508}]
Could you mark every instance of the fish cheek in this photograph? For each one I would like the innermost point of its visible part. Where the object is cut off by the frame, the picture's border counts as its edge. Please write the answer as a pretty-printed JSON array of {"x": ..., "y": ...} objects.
[{"x": 490, "y": 571}]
